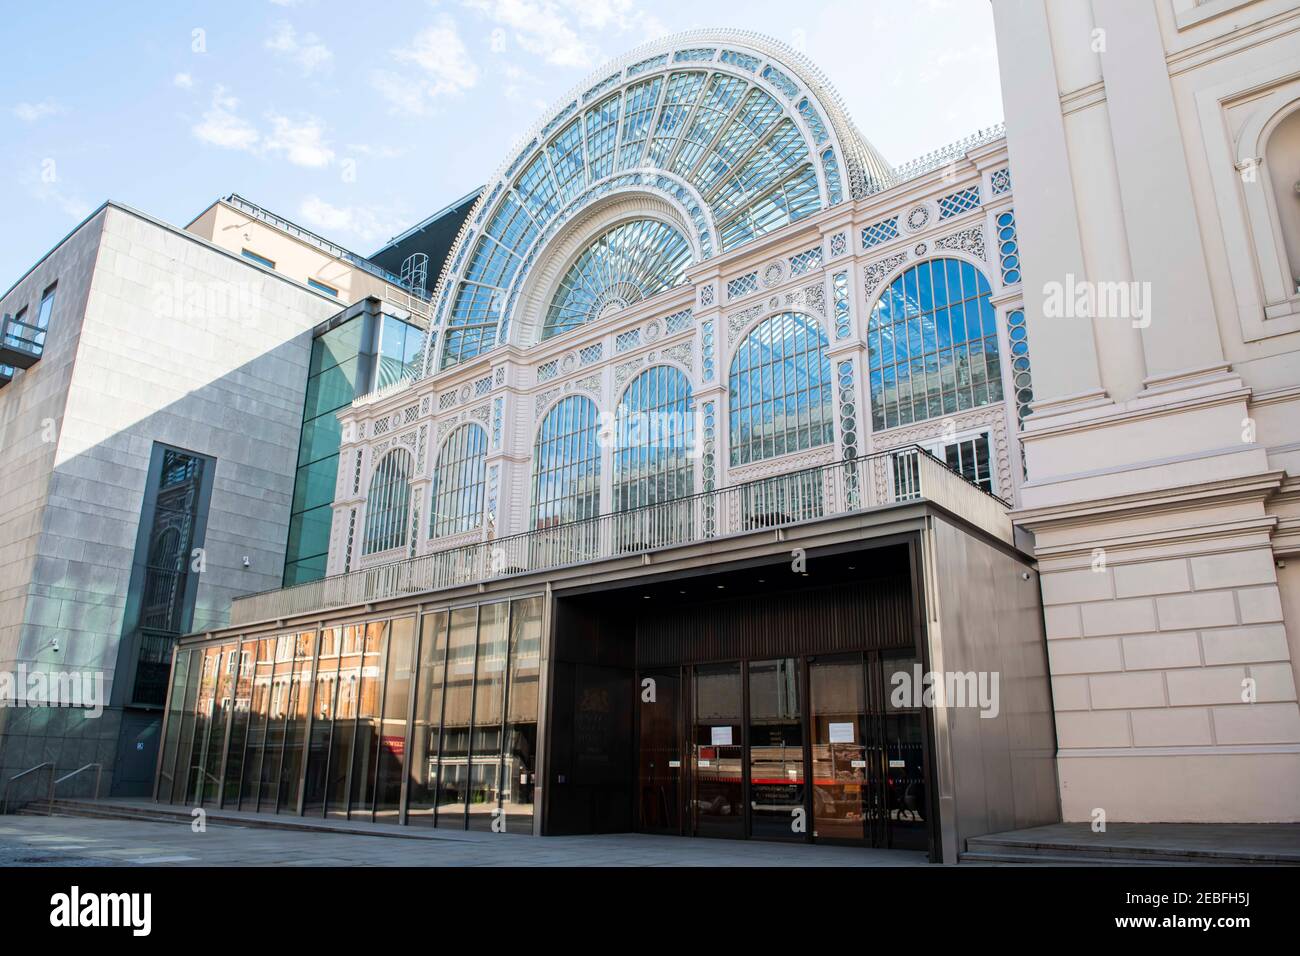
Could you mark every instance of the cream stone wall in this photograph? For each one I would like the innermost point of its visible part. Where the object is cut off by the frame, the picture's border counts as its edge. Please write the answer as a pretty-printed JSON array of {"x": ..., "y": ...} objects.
[
  {"x": 1162, "y": 451},
  {"x": 234, "y": 229}
]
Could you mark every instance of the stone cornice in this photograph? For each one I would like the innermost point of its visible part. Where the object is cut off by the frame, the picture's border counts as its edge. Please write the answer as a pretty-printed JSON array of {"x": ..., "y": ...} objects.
[{"x": 1256, "y": 487}]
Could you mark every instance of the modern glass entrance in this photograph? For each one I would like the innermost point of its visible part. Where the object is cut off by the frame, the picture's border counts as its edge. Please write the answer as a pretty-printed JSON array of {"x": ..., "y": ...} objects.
[{"x": 725, "y": 750}]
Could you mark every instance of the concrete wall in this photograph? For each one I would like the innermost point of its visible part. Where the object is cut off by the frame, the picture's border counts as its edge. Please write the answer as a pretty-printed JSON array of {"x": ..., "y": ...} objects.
[{"x": 183, "y": 344}]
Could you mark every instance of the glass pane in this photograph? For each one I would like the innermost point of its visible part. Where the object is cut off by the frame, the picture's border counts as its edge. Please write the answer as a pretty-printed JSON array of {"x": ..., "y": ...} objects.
[
  {"x": 175, "y": 716},
  {"x": 209, "y": 664},
  {"x": 660, "y": 757},
  {"x": 489, "y": 698},
  {"x": 838, "y": 753},
  {"x": 365, "y": 751},
  {"x": 422, "y": 796},
  {"x": 904, "y": 758},
  {"x": 345, "y": 721},
  {"x": 717, "y": 753},
  {"x": 297, "y": 720},
  {"x": 277, "y": 714},
  {"x": 180, "y": 727},
  {"x": 453, "y": 779},
  {"x": 521, "y": 714},
  {"x": 392, "y": 732},
  {"x": 776, "y": 778},
  {"x": 221, "y": 705},
  {"x": 254, "y": 749},
  {"x": 239, "y": 724},
  {"x": 322, "y": 725}
]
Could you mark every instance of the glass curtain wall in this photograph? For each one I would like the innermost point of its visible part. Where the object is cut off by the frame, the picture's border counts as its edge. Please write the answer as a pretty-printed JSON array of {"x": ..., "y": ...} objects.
[{"x": 358, "y": 720}]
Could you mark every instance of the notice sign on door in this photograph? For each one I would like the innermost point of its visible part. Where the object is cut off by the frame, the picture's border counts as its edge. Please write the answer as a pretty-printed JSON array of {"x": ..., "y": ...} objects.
[
  {"x": 721, "y": 736},
  {"x": 841, "y": 733}
]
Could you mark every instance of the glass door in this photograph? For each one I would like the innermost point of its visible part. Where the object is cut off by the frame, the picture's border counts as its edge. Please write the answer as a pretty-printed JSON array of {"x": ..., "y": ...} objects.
[
  {"x": 717, "y": 751},
  {"x": 660, "y": 753},
  {"x": 776, "y": 763},
  {"x": 902, "y": 753},
  {"x": 839, "y": 753}
]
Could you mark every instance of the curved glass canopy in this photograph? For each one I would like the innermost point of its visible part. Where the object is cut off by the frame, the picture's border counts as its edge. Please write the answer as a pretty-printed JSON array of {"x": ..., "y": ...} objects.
[
  {"x": 628, "y": 263},
  {"x": 739, "y": 133}
]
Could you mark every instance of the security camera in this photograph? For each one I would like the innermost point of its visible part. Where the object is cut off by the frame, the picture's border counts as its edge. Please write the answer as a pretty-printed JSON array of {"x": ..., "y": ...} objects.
[{"x": 247, "y": 562}]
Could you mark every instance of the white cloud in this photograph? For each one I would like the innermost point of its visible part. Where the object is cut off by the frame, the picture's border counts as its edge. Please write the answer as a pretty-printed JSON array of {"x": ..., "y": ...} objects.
[
  {"x": 221, "y": 126},
  {"x": 183, "y": 80},
  {"x": 439, "y": 64},
  {"x": 358, "y": 222},
  {"x": 441, "y": 54},
  {"x": 31, "y": 112},
  {"x": 302, "y": 143},
  {"x": 308, "y": 51},
  {"x": 540, "y": 27}
]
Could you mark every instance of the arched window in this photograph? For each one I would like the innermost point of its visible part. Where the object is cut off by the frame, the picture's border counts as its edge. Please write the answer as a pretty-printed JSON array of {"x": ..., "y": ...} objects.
[
  {"x": 458, "y": 482},
  {"x": 933, "y": 344},
  {"x": 652, "y": 462},
  {"x": 780, "y": 389},
  {"x": 388, "y": 502},
  {"x": 628, "y": 263},
  {"x": 1282, "y": 158},
  {"x": 566, "y": 464}
]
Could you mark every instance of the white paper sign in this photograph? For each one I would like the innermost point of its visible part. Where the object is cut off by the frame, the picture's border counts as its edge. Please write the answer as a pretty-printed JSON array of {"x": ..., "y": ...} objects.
[
  {"x": 858, "y": 764},
  {"x": 841, "y": 733},
  {"x": 898, "y": 763},
  {"x": 674, "y": 763},
  {"x": 706, "y": 763},
  {"x": 721, "y": 736}
]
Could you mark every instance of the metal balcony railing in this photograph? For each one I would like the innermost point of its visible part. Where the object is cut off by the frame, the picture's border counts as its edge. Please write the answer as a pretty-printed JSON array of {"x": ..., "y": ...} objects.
[
  {"x": 879, "y": 480},
  {"x": 21, "y": 343}
]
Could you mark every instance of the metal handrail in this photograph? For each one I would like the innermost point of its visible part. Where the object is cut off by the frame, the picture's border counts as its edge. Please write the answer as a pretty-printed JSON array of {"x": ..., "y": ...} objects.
[
  {"x": 4, "y": 800},
  {"x": 99, "y": 776},
  {"x": 906, "y": 473}
]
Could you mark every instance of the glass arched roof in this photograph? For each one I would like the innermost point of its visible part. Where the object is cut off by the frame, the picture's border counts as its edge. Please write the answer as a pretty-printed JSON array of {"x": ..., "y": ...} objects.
[
  {"x": 738, "y": 133},
  {"x": 628, "y": 263}
]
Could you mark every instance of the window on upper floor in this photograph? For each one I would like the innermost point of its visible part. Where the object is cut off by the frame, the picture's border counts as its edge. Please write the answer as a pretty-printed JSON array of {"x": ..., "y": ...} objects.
[
  {"x": 932, "y": 344},
  {"x": 566, "y": 464},
  {"x": 47, "y": 307},
  {"x": 322, "y": 287},
  {"x": 1282, "y": 159},
  {"x": 779, "y": 391},
  {"x": 260, "y": 260},
  {"x": 388, "y": 503},
  {"x": 458, "y": 482}
]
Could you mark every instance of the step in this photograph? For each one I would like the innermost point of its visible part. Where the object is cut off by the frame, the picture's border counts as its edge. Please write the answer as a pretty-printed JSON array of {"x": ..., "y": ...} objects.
[
  {"x": 1010, "y": 858},
  {"x": 166, "y": 813},
  {"x": 1126, "y": 854}
]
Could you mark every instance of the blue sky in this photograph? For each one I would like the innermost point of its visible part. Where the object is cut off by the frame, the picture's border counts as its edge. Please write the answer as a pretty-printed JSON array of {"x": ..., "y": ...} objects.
[{"x": 358, "y": 120}]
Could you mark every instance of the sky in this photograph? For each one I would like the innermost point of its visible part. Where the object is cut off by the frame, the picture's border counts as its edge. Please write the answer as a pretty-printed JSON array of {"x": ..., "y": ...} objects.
[{"x": 360, "y": 120}]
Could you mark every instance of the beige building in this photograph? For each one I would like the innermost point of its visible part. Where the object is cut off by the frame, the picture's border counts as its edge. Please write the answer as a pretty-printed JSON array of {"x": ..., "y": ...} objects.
[{"x": 1154, "y": 146}]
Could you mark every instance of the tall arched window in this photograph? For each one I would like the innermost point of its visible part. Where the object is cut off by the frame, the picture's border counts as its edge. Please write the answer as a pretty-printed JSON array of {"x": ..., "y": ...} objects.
[
  {"x": 458, "y": 482},
  {"x": 933, "y": 344},
  {"x": 780, "y": 389},
  {"x": 652, "y": 462},
  {"x": 388, "y": 502},
  {"x": 566, "y": 464}
]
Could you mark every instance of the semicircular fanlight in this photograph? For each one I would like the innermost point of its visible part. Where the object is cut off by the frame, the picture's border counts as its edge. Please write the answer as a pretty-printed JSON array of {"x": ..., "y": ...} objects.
[{"x": 623, "y": 265}]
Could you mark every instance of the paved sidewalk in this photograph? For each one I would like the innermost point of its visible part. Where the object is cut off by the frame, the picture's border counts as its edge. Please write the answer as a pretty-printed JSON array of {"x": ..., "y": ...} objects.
[{"x": 80, "y": 841}]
